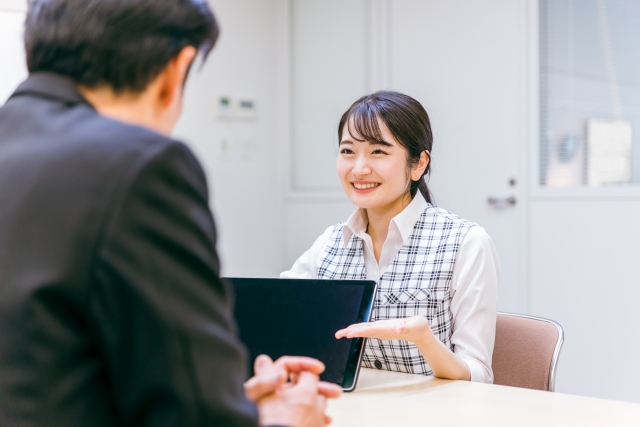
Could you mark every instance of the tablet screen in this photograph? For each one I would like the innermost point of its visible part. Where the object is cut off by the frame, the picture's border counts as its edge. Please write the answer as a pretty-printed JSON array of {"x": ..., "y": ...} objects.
[{"x": 294, "y": 317}]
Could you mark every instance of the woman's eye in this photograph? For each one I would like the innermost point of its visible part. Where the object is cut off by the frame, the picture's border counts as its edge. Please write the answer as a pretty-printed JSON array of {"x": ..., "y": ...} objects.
[
  {"x": 346, "y": 151},
  {"x": 378, "y": 152}
]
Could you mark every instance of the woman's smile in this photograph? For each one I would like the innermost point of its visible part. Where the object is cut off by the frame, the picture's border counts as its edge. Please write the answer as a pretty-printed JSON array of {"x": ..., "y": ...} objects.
[{"x": 365, "y": 186}]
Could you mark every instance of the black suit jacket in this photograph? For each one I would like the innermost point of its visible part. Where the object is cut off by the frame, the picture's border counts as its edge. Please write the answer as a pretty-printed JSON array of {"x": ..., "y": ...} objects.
[{"x": 112, "y": 311}]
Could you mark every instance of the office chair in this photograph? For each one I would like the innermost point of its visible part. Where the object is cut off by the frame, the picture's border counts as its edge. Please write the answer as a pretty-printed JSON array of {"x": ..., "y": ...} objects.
[{"x": 526, "y": 351}]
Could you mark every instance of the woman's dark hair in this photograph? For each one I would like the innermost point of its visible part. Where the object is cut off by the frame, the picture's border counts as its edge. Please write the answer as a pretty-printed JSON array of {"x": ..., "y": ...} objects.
[
  {"x": 121, "y": 43},
  {"x": 405, "y": 118}
]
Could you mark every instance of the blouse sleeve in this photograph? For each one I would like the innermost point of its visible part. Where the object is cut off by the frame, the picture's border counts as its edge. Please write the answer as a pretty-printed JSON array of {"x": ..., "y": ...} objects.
[
  {"x": 306, "y": 267},
  {"x": 474, "y": 289}
]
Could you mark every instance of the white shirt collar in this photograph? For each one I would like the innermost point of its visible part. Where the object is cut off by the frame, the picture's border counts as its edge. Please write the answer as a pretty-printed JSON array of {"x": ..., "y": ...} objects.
[{"x": 404, "y": 221}]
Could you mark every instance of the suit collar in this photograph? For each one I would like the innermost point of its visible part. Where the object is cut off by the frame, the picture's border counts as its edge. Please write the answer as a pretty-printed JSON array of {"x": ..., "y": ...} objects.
[{"x": 53, "y": 86}]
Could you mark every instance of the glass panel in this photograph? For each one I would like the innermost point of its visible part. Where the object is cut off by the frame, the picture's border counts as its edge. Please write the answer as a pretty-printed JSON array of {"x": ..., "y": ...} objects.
[
  {"x": 329, "y": 51},
  {"x": 590, "y": 92}
]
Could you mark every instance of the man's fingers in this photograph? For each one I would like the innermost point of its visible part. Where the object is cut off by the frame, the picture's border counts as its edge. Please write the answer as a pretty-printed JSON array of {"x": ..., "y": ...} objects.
[
  {"x": 329, "y": 390},
  {"x": 271, "y": 375},
  {"x": 286, "y": 386},
  {"x": 293, "y": 377},
  {"x": 299, "y": 364},
  {"x": 308, "y": 381},
  {"x": 322, "y": 403},
  {"x": 271, "y": 371},
  {"x": 262, "y": 363},
  {"x": 266, "y": 380},
  {"x": 258, "y": 387}
]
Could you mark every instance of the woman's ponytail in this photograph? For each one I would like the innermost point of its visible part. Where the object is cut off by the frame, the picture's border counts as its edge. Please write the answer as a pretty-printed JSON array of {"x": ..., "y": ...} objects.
[{"x": 421, "y": 185}]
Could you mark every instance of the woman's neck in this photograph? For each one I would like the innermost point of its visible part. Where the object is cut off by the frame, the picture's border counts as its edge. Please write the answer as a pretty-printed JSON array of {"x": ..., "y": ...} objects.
[{"x": 379, "y": 220}]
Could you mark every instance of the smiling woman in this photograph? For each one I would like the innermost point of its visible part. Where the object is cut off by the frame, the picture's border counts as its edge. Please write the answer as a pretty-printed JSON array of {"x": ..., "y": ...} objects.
[
  {"x": 437, "y": 274},
  {"x": 399, "y": 126}
]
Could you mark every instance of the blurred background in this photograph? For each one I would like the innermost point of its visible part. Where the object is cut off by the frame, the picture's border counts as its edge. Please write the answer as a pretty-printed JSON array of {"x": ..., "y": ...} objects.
[{"x": 535, "y": 107}]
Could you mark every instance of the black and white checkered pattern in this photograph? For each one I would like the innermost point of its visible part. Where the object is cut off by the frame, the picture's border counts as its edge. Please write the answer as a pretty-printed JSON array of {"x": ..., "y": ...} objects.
[{"x": 416, "y": 283}]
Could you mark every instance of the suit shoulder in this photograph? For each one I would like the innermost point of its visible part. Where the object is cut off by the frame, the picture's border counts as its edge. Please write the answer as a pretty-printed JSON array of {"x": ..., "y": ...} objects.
[
  {"x": 108, "y": 136},
  {"x": 116, "y": 148}
]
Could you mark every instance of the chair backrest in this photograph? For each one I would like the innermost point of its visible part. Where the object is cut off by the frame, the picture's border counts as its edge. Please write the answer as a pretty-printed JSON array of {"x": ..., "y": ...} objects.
[{"x": 526, "y": 351}]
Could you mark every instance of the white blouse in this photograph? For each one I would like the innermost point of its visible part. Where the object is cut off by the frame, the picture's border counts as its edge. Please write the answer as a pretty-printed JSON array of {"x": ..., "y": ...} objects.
[{"x": 474, "y": 285}]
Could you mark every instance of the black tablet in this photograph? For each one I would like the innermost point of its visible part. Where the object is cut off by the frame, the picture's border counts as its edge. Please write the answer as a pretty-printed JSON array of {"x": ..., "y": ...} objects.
[{"x": 295, "y": 317}]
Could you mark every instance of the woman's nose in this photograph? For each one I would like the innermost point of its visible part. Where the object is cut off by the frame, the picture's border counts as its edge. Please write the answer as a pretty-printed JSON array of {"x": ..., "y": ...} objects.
[{"x": 361, "y": 167}]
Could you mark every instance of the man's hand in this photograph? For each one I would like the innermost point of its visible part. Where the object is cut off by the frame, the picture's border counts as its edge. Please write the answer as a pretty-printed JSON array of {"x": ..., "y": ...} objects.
[
  {"x": 300, "y": 402},
  {"x": 270, "y": 375},
  {"x": 296, "y": 405}
]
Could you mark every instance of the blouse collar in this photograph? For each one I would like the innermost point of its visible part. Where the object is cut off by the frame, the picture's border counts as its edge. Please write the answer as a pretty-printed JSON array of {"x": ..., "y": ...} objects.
[{"x": 404, "y": 221}]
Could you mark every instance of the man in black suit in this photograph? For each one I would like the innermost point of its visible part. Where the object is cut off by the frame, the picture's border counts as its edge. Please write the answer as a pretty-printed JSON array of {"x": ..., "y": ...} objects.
[{"x": 112, "y": 311}]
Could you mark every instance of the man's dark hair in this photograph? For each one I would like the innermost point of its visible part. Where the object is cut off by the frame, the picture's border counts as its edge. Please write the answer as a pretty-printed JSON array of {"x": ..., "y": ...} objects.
[{"x": 121, "y": 43}]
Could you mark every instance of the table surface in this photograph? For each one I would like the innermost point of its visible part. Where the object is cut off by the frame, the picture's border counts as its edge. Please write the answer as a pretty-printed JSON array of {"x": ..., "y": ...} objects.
[{"x": 390, "y": 399}]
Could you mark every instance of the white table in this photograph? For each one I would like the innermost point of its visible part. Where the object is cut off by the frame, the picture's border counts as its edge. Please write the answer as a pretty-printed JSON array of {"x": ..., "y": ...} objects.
[{"x": 393, "y": 399}]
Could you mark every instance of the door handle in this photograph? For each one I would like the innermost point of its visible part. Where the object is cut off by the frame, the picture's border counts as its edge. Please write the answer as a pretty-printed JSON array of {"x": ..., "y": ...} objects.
[{"x": 502, "y": 202}]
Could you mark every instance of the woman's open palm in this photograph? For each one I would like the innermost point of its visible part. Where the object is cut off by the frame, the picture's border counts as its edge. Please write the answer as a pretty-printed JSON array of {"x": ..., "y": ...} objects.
[{"x": 413, "y": 329}]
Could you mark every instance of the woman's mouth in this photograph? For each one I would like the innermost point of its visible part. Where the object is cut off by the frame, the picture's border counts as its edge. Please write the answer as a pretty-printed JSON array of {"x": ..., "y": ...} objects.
[{"x": 365, "y": 186}]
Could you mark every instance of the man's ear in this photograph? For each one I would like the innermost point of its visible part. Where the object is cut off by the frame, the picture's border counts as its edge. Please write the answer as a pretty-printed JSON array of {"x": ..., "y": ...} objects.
[
  {"x": 173, "y": 77},
  {"x": 421, "y": 166}
]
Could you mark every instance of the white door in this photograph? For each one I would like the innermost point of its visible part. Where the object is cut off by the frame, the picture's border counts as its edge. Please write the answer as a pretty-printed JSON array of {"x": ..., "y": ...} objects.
[
  {"x": 13, "y": 69},
  {"x": 465, "y": 61}
]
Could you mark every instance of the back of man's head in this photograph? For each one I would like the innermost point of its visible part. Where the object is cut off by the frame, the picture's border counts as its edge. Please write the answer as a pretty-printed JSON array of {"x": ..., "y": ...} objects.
[{"x": 124, "y": 44}]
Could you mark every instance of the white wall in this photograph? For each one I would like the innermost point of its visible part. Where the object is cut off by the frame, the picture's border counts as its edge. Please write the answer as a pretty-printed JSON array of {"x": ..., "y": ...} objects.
[
  {"x": 329, "y": 72},
  {"x": 244, "y": 186},
  {"x": 13, "y": 5},
  {"x": 306, "y": 219},
  {"x": 585, "y": 274},
  {"x": 14, "y": 68}
]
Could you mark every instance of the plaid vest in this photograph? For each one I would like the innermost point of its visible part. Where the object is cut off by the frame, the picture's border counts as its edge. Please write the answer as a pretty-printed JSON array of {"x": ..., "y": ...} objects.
[{"x": 417, "y": 282}]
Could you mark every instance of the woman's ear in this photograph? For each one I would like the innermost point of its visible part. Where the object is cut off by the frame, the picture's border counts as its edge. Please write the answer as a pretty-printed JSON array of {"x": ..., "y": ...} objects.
[{"x": 421, "y": 166}]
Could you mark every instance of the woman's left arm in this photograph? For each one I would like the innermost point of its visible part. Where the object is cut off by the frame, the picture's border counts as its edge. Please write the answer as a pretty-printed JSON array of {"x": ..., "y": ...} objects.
[
  {"x": 473, "y": 307},
  {"x": 474, "y": 301}
]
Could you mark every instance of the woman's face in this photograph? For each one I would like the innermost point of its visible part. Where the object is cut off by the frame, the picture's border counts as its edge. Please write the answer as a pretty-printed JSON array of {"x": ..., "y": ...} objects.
[{"x": 374, "y": 176}]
